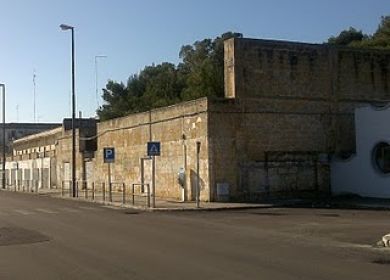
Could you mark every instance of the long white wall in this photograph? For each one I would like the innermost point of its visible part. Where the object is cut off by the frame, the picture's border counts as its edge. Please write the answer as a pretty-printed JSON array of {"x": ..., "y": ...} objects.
[
  {"x": 36, "y": 171},
  {"x": 358, "y": 174}
]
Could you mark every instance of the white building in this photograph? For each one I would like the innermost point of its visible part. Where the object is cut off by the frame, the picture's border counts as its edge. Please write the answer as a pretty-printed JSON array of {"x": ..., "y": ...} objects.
[{"x": 366, "y": 173}]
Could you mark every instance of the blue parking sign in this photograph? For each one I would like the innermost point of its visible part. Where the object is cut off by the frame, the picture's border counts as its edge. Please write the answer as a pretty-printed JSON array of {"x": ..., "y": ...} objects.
[{"x": 109, "y": 155}]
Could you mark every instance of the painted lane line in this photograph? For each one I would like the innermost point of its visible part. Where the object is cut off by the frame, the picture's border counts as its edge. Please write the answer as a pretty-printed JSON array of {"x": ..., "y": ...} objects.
[
  {"x": 89, "y": 208},
  {"x": 48, "y": 211},
  {"x": 23, "y": 212},
  {"x": 70, "y": 210}
]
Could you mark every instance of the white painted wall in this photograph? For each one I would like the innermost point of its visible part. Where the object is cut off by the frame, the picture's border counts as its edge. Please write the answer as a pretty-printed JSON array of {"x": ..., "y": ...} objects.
[
  {"x": 358, "y": 174},
  {"x": 32, "y": 164}
]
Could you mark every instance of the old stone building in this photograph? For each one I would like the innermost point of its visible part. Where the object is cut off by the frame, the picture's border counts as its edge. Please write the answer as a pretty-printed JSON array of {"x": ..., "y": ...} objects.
[
  {"x": 288, "y": 108},
  {"x": 15, "y": 131}
]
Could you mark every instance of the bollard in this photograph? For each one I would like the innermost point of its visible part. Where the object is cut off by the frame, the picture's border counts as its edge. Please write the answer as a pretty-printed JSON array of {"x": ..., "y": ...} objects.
[
  {"x": 36, "y": 186},
  {"x": 123, "y": 193},
  {"x": 93, "y": 190},
  {"x": 62, "y": 188}
]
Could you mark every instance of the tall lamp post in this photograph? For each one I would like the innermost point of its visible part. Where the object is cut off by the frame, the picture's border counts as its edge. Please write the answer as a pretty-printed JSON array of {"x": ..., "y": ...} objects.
[
  {"x": 71, "y": 28},
  {"x": 3, "y": 167}
]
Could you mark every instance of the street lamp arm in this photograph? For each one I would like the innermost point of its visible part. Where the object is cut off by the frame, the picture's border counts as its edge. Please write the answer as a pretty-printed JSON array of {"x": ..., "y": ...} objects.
[{"x": 66, "y": 27}]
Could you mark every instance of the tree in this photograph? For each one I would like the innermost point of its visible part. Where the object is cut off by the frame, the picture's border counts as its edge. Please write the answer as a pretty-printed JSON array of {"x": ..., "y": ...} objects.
[
  {"x": 355, "y": 38},
  {"x": 347, "y": 37},
  {"x": 200, "y": 73},
  {"x": 381, "y": 37}
]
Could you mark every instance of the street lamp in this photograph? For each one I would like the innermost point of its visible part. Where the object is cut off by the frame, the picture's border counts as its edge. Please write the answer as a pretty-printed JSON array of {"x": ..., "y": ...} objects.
[
  {"x": 3, "y": 167},
  {"x": 65, "y": 27},
  {"x": 96, "y": 76}
]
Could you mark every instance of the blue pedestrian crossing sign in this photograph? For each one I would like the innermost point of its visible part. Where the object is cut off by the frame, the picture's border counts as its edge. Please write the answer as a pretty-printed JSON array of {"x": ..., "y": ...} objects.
[
  {"x": 154, "y": 148},
  {"x": 109, "y": 155}
]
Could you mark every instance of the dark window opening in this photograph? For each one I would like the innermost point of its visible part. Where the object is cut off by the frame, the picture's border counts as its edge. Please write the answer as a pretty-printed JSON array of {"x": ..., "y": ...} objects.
[{"x": 381, "y": 155}]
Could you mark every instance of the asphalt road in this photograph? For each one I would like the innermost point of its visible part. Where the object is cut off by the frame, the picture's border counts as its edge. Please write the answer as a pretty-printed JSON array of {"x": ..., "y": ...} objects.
[{"x": 48, "y": 238}]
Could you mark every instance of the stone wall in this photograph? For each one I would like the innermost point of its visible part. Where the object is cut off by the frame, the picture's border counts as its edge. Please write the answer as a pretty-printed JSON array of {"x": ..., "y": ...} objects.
[
  {"x": 267, "y": 68},
  {"x": 267, "y": 149},
  {"x": 14, "y": 131},
  {"x": 293, "y": 100},
  {"x": 178, "y": 128}
]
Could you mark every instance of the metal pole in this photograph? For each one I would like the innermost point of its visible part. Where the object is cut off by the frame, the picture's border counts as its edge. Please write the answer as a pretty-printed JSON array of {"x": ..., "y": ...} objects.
[
  {"x": 153, "y": 181},
  {"x": 109, "y": 183},
  {"x": 123, "y": 193},
  {"x": 132, "y": 193},
  {"x": 148, "y": 198},
  {"x": 4, "y": 160},
  {"x": 104, "y": 191},
  {"x": 73, "y": 119},
  {"x": 197, "y": 174},
  {"x": 93, "y": 190}
]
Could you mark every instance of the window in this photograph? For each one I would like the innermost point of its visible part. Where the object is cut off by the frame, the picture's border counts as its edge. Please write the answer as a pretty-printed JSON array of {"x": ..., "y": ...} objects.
[{"x": 381, "y": 157}]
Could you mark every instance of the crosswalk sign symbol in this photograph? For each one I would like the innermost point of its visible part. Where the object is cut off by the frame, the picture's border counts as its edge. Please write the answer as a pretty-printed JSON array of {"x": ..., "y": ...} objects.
[{"x": 154, "y": 148}]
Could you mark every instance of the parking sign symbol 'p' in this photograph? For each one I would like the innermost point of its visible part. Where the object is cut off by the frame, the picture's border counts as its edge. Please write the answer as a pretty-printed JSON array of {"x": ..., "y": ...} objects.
[{"x": 109, "y": 155}]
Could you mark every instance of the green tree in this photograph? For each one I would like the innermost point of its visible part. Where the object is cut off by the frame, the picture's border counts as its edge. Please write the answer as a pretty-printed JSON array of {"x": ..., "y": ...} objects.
[
  {"x": 355, "y": 38},
  {"x": 203, "y": 67},
  {"x": 381, "y": 37},
  {"x": 200, "y": 73},
  {"x": 347, "y": 37}
]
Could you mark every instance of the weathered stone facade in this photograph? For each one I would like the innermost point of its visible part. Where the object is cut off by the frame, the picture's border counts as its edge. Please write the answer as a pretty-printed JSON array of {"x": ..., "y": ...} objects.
[
  {"x": 14, "y": 131},
  {"x": 177, "y": 128},
  {"x": 288, "y": 108},
  {"x": 291, "y": 107}
]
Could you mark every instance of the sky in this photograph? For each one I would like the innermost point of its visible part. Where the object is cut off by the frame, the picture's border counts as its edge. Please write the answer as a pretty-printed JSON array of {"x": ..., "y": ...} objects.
[{"x": 133, "y": 34}]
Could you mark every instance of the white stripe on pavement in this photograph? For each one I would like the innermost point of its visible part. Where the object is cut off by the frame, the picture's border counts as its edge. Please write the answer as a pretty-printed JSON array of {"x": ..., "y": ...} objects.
[
  {"x": 70, "y": 210},
  {"x": 48, "y": 211},
  {"x": 23, "y": 212}
]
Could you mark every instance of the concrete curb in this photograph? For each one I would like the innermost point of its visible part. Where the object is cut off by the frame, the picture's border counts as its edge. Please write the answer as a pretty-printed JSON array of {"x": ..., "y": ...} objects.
[{"x": 291, "y": 204}]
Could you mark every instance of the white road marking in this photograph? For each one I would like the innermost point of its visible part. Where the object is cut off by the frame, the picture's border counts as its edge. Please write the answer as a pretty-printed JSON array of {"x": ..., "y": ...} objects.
[
  {"x": 70, "y": 210},
  {"x": 48, "y": 211},
  {"x": 23, "y": 212},
  {"x": 88, "y": 208}
]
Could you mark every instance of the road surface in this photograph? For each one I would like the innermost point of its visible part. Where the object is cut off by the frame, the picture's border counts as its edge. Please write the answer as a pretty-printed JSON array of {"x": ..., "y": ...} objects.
[{"x": 49, "y": 238}]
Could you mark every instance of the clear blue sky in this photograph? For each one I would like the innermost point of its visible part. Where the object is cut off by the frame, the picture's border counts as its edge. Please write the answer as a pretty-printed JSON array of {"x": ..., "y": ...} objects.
[{"x": 133, "y": 34}]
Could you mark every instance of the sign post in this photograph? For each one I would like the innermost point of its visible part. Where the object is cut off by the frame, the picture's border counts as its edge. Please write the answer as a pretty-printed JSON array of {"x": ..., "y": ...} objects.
[
  {"x": 154, "y": 149},
  {"x": 109, "y": 157},
  {"x": 197, "y": 175}
]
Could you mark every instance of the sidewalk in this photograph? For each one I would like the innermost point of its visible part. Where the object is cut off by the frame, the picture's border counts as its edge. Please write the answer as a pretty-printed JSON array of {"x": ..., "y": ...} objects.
[{"x": 140, "y": 202}]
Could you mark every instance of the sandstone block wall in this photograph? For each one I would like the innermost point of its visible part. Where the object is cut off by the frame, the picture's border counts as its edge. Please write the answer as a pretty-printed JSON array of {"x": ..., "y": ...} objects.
[
  {"x": 290, "y": 99},
  {"x": 178, "y": 128}
]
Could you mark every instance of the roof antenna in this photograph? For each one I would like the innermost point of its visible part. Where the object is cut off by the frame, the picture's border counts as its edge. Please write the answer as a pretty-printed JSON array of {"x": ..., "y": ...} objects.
[
  {"x": 35, "y": 109},
  {"x": 17, "y": 113}
]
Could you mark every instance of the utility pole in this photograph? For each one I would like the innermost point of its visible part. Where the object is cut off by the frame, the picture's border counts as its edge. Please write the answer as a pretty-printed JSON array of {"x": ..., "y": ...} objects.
[
  {"x": 17, "y": 113},
  {"x": 4, "y": 144},
  {"x": 35, "y": 109},
  {"x": 71, "y": 28}
]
